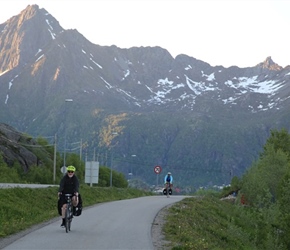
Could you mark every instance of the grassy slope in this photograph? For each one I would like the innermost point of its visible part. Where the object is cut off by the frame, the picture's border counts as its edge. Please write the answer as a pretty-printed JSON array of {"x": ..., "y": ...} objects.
[{"x": 209, "y": 223}]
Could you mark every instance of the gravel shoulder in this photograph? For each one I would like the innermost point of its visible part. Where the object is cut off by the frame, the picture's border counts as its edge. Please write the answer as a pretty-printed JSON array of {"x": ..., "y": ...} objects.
[{"x": 158, "y": 237}]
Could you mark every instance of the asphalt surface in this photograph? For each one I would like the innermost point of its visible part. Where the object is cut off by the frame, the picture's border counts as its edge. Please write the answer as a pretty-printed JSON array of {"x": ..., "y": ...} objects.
[{"x": 124, "y": 224}]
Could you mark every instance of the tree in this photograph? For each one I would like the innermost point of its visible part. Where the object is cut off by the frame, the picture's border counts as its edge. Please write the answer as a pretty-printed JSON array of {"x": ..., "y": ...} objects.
[
  {"x": 284, "y": 204},
  {"x": 266, "y": 187},
  {"x": 279, "y": 140},
  {"x": 264, "y": 176}
]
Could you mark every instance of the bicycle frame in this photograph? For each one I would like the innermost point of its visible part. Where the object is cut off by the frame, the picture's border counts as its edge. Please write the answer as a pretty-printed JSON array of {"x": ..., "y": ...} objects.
[
  {"x": 168, "y": 188},
  {"x": 68, "y": 212}
]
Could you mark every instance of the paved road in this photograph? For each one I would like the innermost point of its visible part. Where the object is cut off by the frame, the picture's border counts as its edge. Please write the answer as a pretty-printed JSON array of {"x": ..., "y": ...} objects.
[{"x": 124, "y": 224}]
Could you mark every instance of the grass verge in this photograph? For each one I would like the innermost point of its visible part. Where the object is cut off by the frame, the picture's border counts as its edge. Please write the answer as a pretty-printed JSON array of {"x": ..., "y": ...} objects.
[{"x": 209, "y": 223}]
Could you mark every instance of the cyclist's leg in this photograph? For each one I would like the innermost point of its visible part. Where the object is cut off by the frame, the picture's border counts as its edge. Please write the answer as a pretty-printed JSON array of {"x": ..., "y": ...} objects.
[
  {"x": 63, "y": 211},
  {"x": 165, "y": 186},
  {"x": 63, "y": 208},
  {"x": 75, "y": 200}
]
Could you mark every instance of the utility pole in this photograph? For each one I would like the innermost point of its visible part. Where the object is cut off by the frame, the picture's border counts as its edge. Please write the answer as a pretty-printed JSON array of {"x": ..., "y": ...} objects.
[{"x": 54, "y": 160}]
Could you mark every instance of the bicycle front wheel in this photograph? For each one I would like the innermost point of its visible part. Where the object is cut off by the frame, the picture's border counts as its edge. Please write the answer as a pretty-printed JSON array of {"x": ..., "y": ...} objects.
[{"x": 67, "y": 220}]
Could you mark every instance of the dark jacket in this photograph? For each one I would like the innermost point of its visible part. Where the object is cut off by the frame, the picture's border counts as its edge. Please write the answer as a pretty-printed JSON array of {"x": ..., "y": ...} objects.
[{"x": 69, "y": 185}]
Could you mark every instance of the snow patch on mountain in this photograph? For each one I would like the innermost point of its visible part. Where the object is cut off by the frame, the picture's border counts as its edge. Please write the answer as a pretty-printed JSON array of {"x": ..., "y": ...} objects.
[
  {"x": 251, "y": 84},
  {"x": 198, "y": 87}
]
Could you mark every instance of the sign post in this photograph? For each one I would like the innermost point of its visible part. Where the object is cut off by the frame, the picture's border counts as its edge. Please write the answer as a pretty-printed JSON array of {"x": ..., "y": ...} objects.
[{"x": 157, "y": 170}]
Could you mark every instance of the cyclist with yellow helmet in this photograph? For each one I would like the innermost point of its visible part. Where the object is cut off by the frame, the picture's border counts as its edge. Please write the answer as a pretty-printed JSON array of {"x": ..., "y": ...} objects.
[{"x": 69, "y": 184}]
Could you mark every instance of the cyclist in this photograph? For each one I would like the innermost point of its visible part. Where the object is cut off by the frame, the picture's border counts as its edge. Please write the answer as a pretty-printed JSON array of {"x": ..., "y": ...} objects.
[
  {"x": 168, "y": 179},
  {"x": 69, "y": 184}
]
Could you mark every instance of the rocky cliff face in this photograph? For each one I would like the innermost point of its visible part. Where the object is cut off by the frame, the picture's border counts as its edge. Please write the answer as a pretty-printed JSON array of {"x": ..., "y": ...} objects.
[{"x": 14, "y": 148}]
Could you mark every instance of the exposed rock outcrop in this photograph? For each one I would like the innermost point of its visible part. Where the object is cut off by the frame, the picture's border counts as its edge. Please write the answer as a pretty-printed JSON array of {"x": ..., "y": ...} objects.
[{"x": 13, "y": 147}]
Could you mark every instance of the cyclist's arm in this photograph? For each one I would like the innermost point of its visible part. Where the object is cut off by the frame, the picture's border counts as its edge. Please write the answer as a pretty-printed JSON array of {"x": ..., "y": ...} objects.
[
  {"x": 77, "y": 185},
  {"x": 61, "y": 185}
]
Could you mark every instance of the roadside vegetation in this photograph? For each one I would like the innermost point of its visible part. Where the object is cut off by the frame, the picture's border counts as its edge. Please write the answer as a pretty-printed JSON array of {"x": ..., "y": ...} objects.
[{"x": 257, "y": 218}]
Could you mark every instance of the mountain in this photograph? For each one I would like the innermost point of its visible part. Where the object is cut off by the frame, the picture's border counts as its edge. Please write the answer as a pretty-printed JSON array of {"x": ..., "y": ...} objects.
[{"x": 202, "y": 123}]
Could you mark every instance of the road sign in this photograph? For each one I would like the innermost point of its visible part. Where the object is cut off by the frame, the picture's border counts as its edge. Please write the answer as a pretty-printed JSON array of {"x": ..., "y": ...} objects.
[
  {"x": 92, "y": 172},
  {"x": 63, "y": 169},
  {"x": 157, "y": 169}
]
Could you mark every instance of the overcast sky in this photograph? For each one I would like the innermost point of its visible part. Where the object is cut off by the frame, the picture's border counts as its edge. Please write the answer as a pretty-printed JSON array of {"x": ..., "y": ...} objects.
[{"x": 220, "y": 32}]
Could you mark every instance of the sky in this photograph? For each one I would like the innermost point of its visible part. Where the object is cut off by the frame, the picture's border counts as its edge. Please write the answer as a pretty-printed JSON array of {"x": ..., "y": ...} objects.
[{"x": 239, "y": 33}]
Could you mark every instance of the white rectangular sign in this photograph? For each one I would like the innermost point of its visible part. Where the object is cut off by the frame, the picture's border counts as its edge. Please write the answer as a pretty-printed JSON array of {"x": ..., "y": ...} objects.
[{"x": 92, "y": 172}]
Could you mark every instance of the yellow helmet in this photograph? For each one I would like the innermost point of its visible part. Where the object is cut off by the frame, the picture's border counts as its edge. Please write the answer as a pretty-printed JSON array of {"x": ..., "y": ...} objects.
[{"x": 71, "y": 168}]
